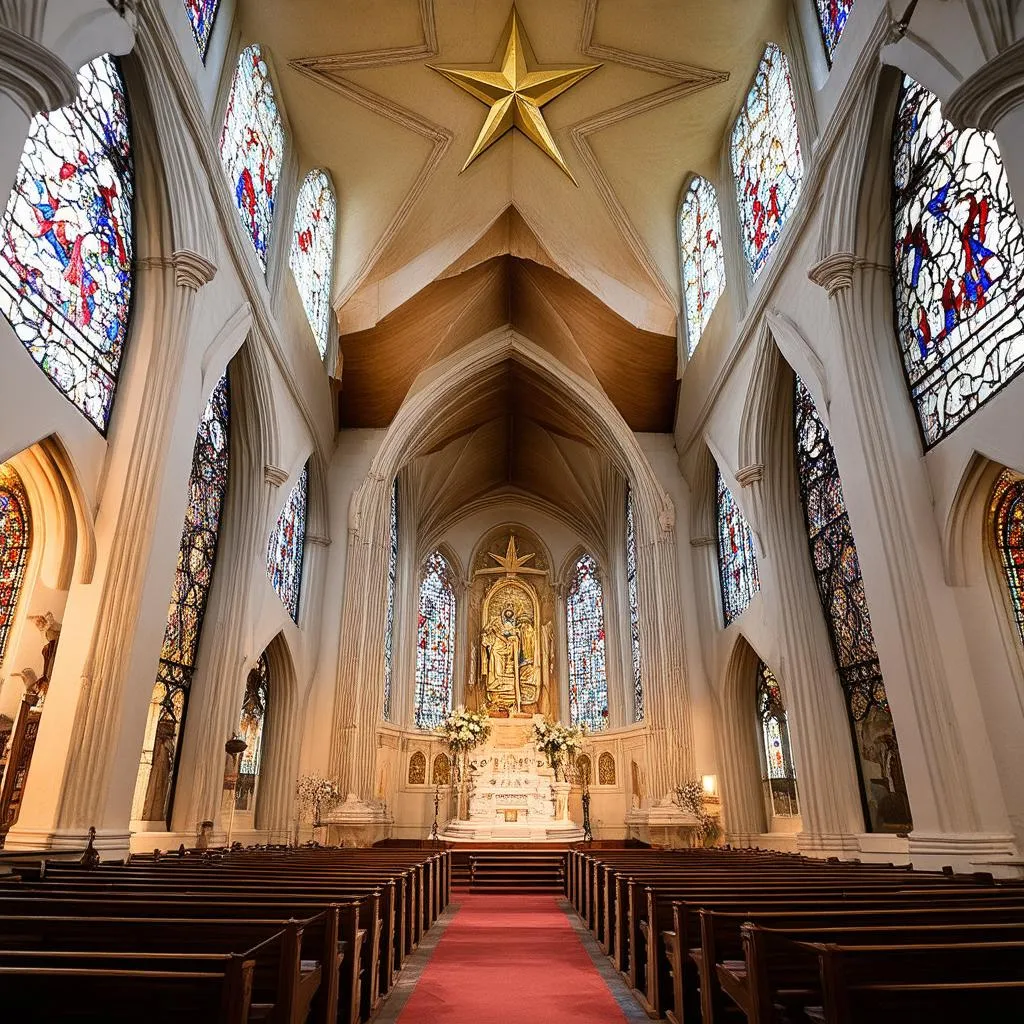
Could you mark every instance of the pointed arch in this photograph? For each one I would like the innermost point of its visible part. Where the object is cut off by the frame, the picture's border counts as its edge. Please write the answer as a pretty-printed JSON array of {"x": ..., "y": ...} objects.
[
  {"x": 15, "y": 545},
  {"x": 832, "y": 17},
  {"x": 286, "y": 547},
  {"x": 588, "y": 674},
  {"x": 201, "y": 15},
  {"x": 701, "y": 256},
  {"x": 435, "y": 643},
  {"x": 312, "y": 252},
  {"x": 737, "y": 558}
]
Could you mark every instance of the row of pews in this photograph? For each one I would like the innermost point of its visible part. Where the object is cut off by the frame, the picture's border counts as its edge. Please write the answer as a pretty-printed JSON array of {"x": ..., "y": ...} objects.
[
  {"x": 283, "y": 935},
  {"x": 728, "y": 935}
]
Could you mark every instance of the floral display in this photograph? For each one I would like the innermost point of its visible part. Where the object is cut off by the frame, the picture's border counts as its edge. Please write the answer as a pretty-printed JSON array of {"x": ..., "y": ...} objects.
[
  {"x": 690, "y": 797},
  {"x": 464, "y": 730},
  {"x": 317, "y": 794},
  {"x": 559, "y": 743}
]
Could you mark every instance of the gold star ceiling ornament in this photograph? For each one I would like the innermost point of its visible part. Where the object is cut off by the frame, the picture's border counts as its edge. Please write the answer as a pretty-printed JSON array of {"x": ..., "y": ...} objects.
[{"x": 515, "y": 96}]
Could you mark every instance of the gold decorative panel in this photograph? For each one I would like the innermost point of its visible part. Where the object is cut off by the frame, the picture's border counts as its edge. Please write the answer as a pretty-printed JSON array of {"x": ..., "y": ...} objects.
[
  {"x": 418, "y": 769},
  {"x": 606, "y": 770}
]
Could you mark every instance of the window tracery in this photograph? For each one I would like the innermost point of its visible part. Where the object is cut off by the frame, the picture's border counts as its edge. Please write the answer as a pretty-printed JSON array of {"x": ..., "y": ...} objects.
[
  {"x": 435, "y": 644},
  {"x": 1006, "y": 521},
  {"x": 66, "y": 271},
  {"x": 832, "y": 16},
  {"x": 252, "y": 724},
  {"x": 588, "y": 680},
  {"x": 766, "y": 161},
  {"x": 287, "y": 545},
  {"x": 737, "y": 560},
  {"x": 702, "y": 257},
  {"x": 776, "y": 753},
  {"x": 632, "y": 589},
  {"x": 312, "y": 253},
  {"x": 840, "y": 586},
  {"x": 15, "y": 545},
  {"x": 193, "y": 576},
  {"x": 958, "y": 264},
  {"x": 389, "y": 615},
  {"x": 201, "y": 15},
  {"x": 252, "y": 147}
]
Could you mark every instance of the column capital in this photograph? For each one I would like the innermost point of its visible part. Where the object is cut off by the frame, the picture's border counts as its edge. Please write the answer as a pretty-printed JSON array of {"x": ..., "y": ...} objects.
[
  {"x": 985, "y": 97},
  {"x": 192, "y": 270},
  {"x": 835, "y": 272},
  {"x": 33, "y": 75},
  {"x": 702, "y": 542},
  {"x": 752, "y": 474},
  {"x": 274, "y": 475}
]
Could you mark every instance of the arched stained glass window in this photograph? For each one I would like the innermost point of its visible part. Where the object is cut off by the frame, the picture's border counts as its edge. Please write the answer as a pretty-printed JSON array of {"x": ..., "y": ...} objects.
[
  {"x": 312, "y": 255},
  {"x": 737, "y": 560},
  {"x": 252, "y": 723},
  {"x": 67, "y": 245},
  {"x": 832, "y": 15},
  {"x": 252, "y": 147},
  {"x": 15, "y": 544},
  {"x": 843, "y": 600},
  {"x": 958, "y": 265},
  {"x": 435, "y": 644},
  {"x": 766, "y": 160},
  {"x": 201, "y": 14},
  {"x": 287, "y": 545},
  {"x": 1006, "y": 516},
  {"x": 701, "y": 257},
  {"x": 389, "y": 615},
  {"x": 779, "y": 773},
  {"x": 588, "y": 678},
  {"x": 197, "y": 557},
  {"x": 632, "y": 589}
]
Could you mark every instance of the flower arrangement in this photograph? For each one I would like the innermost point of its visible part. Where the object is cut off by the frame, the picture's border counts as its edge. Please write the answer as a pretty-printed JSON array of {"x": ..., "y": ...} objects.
[
  {"x": 690, "y": 797},
  {"x": 464, "y": 730},
  {"x": 317, "y": 794},
  {"x": 558, "y": 743}
]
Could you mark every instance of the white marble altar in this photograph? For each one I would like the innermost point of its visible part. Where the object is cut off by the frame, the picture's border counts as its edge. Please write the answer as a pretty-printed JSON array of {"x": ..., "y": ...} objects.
[{"x": 513, "y": 795}]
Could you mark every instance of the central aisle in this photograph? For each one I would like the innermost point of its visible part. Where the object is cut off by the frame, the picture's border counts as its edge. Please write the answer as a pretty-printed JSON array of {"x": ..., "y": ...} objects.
[{"x": 510, "y": 960}]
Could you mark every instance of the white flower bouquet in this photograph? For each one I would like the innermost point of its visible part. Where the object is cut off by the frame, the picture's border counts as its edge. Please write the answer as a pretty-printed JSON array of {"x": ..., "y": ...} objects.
[
  {"x": 558, "y": 743},
  {"x": 690, "y": 797},
  {"x": 464, "y": 730}
]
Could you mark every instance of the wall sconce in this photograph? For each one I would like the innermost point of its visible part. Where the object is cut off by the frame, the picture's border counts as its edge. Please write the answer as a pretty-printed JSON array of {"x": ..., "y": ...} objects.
[{"x": 710, "y": 784}]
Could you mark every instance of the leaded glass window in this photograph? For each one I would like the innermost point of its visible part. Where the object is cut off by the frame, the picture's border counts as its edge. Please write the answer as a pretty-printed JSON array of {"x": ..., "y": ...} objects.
[
  {"x": 779, "y": 774},
  {"x": 201, "y": 14},
  {"x": 958, "y": 265},
  {"x": 287, "y": 544},
  {"x": 701, "y": 257},
  {"x": 252, "y": 723},
  {"x": 15, "y": 544},
  {"x": 193, "y": 575},
  {"x": 843, "y": 600},
  {"x": 737, "y": 560},
  {"x": 389, "y": 614},
  {"x": 66, "y": 266},
  {"x": 588, "y": 678},
  {"x": 832, "y": 15},
  {"x": 312, "y": 255},
  {"x": 1006, "y": 518},
  {"x": 252, "y": 147},
  {"x": 435, "y": 644},
  {"x": 766, "y": 160},
  {"x": 634, "y": 610}
]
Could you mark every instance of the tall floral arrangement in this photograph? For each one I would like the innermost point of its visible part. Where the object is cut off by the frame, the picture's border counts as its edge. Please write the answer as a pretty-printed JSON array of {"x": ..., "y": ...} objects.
[
  {"x": 558, "y": 743},
  {"x": 690, "y": 797},
  {"x": 464, "y": 730},
  {"x": 316, "y": 795}
]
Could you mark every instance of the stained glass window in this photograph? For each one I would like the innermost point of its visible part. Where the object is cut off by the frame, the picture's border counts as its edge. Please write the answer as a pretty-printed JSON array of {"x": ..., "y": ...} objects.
[
  {"x": 435, "y": 644},
  {"x": 252, "y": 146},
  {"x": 201, "y": 14},
  {"x": 312, "y": 255},
  {"x": 832, "y": 15},
  {"x": 1006, "y": 515},
  {"x": 389, "y": 615},
  {"x": 588, "y": 679},
  {"x": 15, "y": 543},
  {"x": 197, "y": 557},
  {"x": 634, "y": 610},
  {"x": 66, "y": 266},
  {"x": 737, "y": 560},
  {"x": 958, "y": 265},
  {"x": 843, "y": 600},
  {"x": 287, "y": 543},
  {"x": 251, "y": 725},
  {"x": 701, "y": 257},
  {"x": 776, "y": 755},
  {"x": 766, "y": 160}
]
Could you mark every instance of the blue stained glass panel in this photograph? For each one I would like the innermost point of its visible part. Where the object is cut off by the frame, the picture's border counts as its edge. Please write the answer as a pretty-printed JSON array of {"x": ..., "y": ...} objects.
[
  {"x": 201, "y": 14},
  {"x": 435, "y": 644},
  {"x": 766, "y": 160},
  {"x": 832, "y": 15},
  {"x": 737, "y": 559},
  {"x": 958, "y": 265},
  {"x": 632, "y": 588},
  {"x": 1006, "y": 520},
  {"x": 312, "y": 255},
  {"x": 701, "y": 256},
  {"x": 389, "y": 615},
  {"x": 67, "y": 245},
  {"x": 287, "y": 543},
  {"x": 15, "y": 544},
  {"x": 252, "y": 147},
  {"x": 588, "y": 679}
]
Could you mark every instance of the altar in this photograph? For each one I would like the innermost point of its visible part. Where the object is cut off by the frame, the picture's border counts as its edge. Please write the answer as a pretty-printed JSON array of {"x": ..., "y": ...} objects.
[{"x": 513, "y": 795}]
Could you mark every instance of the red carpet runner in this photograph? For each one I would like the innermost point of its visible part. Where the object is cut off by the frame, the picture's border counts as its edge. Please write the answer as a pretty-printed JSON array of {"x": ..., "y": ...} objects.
[{"x": 510, "y": 960}]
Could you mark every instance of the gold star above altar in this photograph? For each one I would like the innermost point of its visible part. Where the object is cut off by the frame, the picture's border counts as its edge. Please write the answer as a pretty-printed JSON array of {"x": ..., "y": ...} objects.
[
  {"x": 515, "y": 96},
  {"x": 511, "y": 562}
]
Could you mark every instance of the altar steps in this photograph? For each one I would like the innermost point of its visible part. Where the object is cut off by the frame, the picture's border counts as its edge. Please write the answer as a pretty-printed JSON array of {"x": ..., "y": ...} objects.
[{"x": 512, "y": 871}]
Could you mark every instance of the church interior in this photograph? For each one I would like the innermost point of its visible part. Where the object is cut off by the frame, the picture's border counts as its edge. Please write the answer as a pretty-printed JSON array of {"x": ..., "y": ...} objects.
[{"x": 512, "y": 487}]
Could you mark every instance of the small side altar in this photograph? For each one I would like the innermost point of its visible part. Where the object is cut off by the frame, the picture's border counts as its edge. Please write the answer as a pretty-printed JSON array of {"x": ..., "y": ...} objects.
[{"x": 513, "y": 794}]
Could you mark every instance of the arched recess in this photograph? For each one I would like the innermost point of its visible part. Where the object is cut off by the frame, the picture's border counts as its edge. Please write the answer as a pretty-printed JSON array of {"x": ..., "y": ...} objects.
[{"x": 426, "y": 417}]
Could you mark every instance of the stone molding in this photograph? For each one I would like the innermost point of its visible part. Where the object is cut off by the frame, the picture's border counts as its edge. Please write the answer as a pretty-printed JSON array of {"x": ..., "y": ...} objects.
[
  {"x": 752, "y": 474},
  {"x": 275, "y": 476},
  {"x": 984, "y": 98},
  {"x": 33, "y": 75},
  {"x": 702, "y": 542}
]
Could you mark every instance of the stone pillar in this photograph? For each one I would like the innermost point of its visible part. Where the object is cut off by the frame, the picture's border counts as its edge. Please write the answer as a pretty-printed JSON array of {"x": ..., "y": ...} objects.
[
  {"x": 42, "y": 46},
  {"x": 88, "y": 748},
  {"x": 953, "y": 786}
]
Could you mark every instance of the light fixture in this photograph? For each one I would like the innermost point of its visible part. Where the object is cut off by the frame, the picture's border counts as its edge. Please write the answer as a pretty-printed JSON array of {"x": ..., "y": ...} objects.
[{"x": 710, "y": 784}]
